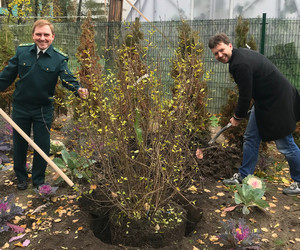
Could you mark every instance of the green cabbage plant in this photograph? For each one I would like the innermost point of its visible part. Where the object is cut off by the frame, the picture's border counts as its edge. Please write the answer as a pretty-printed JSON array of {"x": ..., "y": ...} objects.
[{"x": 250, "y": 193}]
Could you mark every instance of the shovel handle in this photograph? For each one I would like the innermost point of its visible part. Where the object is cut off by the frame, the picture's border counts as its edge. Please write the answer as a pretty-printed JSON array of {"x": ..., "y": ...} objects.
[
  {"x": 219, "y": 133},
  {"x": 36, "y": 147}
]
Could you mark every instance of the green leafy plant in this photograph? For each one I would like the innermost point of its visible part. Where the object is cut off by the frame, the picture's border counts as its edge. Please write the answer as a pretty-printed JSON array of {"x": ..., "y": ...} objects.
[
  {"x": 74, "y": 165},
  {"x": 56, "y": 147},
  {"x": 250, "y": 193}
]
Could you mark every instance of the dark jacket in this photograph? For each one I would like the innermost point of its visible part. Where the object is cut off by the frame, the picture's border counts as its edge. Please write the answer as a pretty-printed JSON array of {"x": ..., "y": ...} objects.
[
  {"x": 37, "y": 77},
  {"x": 276, "y": 101}
]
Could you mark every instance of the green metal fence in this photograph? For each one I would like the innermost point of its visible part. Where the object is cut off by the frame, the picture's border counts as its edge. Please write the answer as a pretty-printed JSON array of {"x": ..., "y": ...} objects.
[{"x": 281, "y": 45}]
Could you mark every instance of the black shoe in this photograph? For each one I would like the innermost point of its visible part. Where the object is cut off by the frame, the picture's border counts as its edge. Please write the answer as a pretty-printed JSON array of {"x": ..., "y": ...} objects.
[
  {"x": 22, "y": 185},
  {"x": 236, "y": 179},
  {"x": 37, "y": 186}
]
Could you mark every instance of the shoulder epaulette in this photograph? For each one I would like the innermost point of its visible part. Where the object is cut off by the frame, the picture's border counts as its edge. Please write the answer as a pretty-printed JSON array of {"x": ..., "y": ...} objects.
[
  {"x": 26, "y": 44},
  {"x": 60, "y": 52}
]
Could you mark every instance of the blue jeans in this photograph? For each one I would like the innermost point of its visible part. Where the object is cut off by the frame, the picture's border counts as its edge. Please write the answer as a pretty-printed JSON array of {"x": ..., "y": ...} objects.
[{"x": 285, "y": 145}]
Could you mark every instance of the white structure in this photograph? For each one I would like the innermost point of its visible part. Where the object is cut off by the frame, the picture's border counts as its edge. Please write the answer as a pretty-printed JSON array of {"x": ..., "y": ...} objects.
[{"x": 166, "y": 10}]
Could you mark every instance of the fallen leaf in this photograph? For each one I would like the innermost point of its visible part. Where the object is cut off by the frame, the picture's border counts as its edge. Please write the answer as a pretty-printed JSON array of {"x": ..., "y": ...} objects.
[
  {"x": 285, "y": 181},
  {"x": 157, "y": 227},
  {"x": 193, "y": 189},
  {"x": 15, "y": 228},
  {"x": 297, "y": 239},
  {"x": 16, "y": 238},
  {"x": 274, "y": 235},
  {"x": 17, "y": 219},
  {"x": 264, "y": 229},
  {"x": 272, "y": 204},
  {"x": 201, "y": 242},
  {"x": 229, "y": 209},
  {"x": 74, "y": 221},
  {"x": 93, "y": 187},
  {"x": 206, "y": 190},
  {"x": 213, "y": 197},
  {"x": 6, "y": 245},
  {"x": 57, "y": 220},
  {"x": 195, "y": 248},
  {"x": 80, "y": 228},
  {"x": 252, "y": 220},
  {"x": 287, "y": 208},
  {"x": 26, "y": 243},
  {"x": 220, "y": 194},
  {"x": 265, "y": 240},
  {"x": 19, "y": 244},
  {"x": 291, "y": 241},
  {"x": 213, "y": 238},
  {"x": 114, "y": 195}
]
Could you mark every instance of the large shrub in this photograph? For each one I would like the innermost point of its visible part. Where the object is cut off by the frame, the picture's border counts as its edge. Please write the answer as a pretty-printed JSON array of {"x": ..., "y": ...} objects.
[{"x": 138, "y": 134}]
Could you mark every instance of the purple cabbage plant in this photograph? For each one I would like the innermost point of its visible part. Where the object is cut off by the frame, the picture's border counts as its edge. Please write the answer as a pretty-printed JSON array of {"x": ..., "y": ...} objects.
[
  {"x": 8, "y": 210},
  {"x": 46, "y": 191},
  {"x": 238, "y": 235}
]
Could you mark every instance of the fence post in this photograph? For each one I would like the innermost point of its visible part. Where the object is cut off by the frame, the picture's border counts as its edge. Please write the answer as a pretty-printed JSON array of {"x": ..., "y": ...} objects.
[{"x": 263, "y": 34}]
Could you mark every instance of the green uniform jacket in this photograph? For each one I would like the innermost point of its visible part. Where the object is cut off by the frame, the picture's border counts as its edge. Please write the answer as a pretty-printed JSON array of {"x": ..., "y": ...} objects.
[{"x": 37, "y": 77}]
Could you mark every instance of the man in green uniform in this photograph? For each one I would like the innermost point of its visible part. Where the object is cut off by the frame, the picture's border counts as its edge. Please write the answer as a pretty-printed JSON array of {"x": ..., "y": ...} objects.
[{"x": 38, "y": 66}]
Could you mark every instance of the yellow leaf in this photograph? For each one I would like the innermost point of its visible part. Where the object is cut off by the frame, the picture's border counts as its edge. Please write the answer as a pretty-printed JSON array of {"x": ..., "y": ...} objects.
[
  {"x": 287, "y": 208},
  {"x": 264, "y": 229},
  {"x": 6, "y": 245},
  {"x": 57, "y": 220},
  {"x": 206, "y": 190},
  {"x": 201, "y": 242},
  {"x": 213, "y": 238},
  {"x": 19, "y": 244},
  {"x": 193, "y": 189},
  {"x": 285, "y": 181},
  {"x": 277, "y": 225},
  {"x": 220, "y": 194}
]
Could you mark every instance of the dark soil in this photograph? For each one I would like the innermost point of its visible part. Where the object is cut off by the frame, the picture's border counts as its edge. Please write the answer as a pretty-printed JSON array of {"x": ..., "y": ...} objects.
[{"x": 67, "y": 223}]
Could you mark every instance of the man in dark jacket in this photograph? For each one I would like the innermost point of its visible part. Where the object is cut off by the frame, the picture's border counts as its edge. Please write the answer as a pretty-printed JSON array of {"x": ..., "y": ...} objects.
[
  {"x": 275, "y": 112},
  {"x": 38, "y": 66}
]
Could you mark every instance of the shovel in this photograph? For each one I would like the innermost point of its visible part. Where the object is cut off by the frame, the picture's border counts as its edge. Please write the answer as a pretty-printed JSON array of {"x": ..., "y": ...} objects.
[
  {"x": 36, "y": 147},
  {"x": 199, "y": 151},
  {"x": 219, "y": 133}
]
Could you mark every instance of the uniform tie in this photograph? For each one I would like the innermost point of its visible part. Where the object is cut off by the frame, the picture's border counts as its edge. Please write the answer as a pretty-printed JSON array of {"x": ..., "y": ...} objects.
[{"x": 39, "y": 54}]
